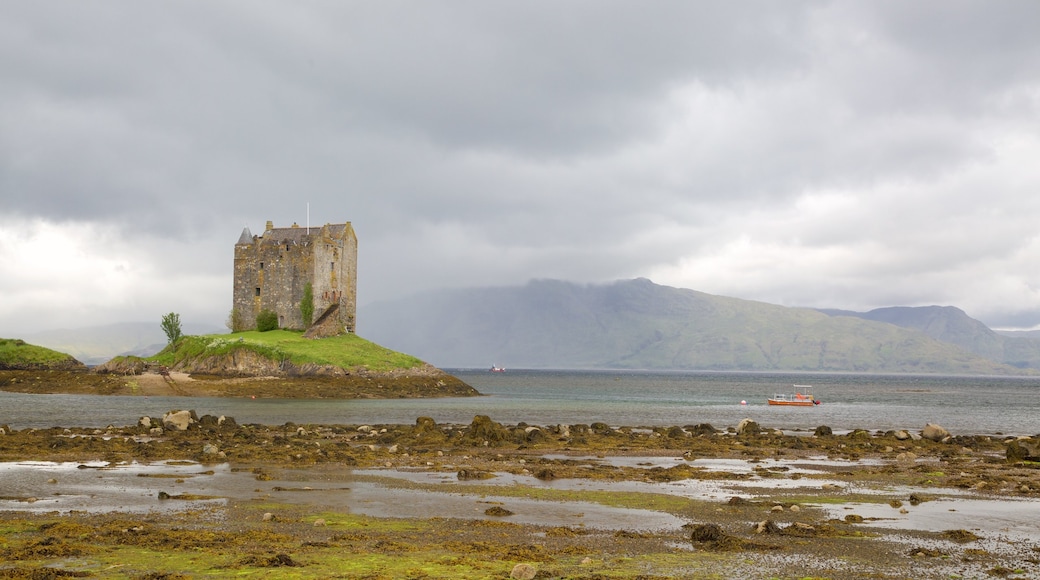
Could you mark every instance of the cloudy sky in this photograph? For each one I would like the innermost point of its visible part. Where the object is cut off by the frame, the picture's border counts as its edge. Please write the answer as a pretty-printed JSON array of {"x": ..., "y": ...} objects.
[{"x": 834, "y": 154}]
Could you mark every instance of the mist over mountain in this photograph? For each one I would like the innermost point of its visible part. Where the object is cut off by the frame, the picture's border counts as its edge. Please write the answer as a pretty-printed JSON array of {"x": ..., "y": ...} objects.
[
  {"x": 636, "y": 324},
  {"x": 952, "y": 325}
]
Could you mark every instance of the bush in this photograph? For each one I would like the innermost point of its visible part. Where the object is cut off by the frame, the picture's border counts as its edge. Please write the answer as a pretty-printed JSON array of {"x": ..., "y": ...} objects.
[{"x": 266, "y": 320}]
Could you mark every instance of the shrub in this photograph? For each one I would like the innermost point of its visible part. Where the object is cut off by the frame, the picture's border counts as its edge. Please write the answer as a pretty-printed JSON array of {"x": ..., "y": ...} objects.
[
  {"x": 307, "y": 305},
  {"x": 234, "y": 321},
  {"x": 266, "y": 320}
]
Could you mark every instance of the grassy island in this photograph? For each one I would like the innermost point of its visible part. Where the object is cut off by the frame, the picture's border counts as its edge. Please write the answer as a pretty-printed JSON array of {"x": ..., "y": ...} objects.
[
  {"x": 16, "y": 354},
  {"x": 274, "y": 364},
  {"x": 346, "y": 351}
]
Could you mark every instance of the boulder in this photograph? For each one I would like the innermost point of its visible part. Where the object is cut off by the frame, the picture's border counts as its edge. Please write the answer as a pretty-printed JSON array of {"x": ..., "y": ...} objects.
[
  {"x": 484, "y": 429},
  {"x": 523, "y": 572},
  {"x": 823, "y": 431},
  {"x": 702, "y": 429},
  {"x": 177, "y": 420},
  {"x": 1023, "y": 450},
  {"x": 933, "y": 432},
  {"x": 748, "y": 427}
]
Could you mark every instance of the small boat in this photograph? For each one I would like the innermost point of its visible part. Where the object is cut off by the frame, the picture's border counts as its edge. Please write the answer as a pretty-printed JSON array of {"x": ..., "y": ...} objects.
[
  {"x": 497, "y": 369},
  {"x": 801, "y": 397}
]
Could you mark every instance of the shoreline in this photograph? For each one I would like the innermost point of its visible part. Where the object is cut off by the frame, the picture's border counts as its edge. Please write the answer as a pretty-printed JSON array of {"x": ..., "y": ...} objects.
[
  {"x": 359, "y": 500},
  {"x": 403, "y": 384}
]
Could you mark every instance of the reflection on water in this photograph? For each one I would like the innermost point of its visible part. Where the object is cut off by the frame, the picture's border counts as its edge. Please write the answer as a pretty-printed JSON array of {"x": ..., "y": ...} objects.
[{"x": 39, "y": 487}]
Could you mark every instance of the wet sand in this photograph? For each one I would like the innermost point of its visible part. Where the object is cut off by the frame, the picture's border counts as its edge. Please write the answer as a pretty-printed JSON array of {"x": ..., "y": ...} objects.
[{"x": 479, "y": 500}]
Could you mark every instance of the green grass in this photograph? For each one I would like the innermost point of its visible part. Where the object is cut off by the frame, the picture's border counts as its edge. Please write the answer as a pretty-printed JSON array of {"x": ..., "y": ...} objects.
[
  {"x": 18, "y": 352},
  {"x": 345, "y": 351}
]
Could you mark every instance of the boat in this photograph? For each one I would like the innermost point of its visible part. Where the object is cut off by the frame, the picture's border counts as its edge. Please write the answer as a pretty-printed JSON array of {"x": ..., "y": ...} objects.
[
  {"x": 497, "y": 369},
  {"x": 801, "y": 397}
]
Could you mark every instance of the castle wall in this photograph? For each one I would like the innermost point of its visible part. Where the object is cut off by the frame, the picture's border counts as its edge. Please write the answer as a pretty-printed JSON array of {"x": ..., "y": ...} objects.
[{"x": 272, "y": 270}]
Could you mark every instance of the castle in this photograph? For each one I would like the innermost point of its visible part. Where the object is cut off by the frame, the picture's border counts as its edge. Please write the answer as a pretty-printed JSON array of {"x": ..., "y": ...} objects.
[{"x": 273, "y": 270}]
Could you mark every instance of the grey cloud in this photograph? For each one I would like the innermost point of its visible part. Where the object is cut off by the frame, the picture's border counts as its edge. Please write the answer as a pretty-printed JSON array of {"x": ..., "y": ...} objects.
[{"x": 501, "y": 141}]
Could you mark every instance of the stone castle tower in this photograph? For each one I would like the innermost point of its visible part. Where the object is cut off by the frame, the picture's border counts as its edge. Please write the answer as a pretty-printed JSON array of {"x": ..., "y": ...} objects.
[{"x": 273, "y": 269}]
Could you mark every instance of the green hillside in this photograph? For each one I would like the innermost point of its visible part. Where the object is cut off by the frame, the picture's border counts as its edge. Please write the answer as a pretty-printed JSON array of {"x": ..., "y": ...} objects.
[
  {"x": 346, "y": 351},
  {"x": 18, "y": 354}
]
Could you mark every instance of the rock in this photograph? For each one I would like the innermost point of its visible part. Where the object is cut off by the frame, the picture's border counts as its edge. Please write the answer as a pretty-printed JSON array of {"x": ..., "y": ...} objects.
[
  {"x": 901, "y": 435},
  {"x": 707, "y": 533},
  {"x": 545, "y": 474},
  {"x": 1023, "y": 450},
  {"x": 268, "y": 516},
  {"x": 177, "y": 420},
  {"x": 933, "y": 432},
  {"x": 748, "y": 427},
  {"x": 777, "y": 508},
  {"x": 319, "y": 523},
  {"x": 156, "y": 431},
  {"x": 767, "y": 527},
  {"x": 907, "y": 457},
  {"x": 484, "y": 429},
  {"x": 523, "y": 572},
  {"x": 145, "y": 422},
  {"x": 208, "y": 421},
  {"x": 497, "y": 511},
  {"x": 854, "y": 519},
  {"x": 210, "y": 449},
  {"x": 227, "y": 422},
  {"x": 823, "y": 431},
  {"x": 702, "y": 429}
]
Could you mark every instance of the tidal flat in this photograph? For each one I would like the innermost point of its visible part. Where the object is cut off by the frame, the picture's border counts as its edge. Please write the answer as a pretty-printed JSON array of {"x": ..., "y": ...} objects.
[{"x": 487, "y": 500}]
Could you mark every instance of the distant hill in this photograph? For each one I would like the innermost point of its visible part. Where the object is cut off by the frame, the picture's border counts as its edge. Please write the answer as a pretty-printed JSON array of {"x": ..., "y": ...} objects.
[
  {"x": 954, "y": 326},
  {"x": 96, "y": 344},
  {"x": 636, "y": 324}
]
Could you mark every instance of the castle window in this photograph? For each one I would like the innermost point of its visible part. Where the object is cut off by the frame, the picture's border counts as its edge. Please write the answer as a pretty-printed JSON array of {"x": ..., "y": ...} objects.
[
  {"x": 332, "y": 265},
  {"x": 257, "y": 290},
  {"x": 261, "y": 265},
  {"x": 286, "y": 247}
]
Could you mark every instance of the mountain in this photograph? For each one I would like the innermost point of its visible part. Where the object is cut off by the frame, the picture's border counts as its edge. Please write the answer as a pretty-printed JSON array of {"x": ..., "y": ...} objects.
[
  {"x": 954, "y": 326},
  {"x": 636, "y": 324},
  {"x": 96, "y": 344}
]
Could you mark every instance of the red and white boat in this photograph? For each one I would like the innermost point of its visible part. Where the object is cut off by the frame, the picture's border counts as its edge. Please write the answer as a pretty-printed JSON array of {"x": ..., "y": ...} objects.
[
  {"x": 801, "y": 397},
  {"x": 497, "y": 369}
]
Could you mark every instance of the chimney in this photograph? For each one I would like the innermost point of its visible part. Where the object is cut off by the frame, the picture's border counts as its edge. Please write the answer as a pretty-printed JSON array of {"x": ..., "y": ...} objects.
[{"x": 270, "y": 226}]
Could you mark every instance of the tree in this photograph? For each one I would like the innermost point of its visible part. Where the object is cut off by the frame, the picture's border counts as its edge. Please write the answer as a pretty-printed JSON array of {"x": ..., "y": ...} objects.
[
  {"x": 307, "y": 305},
  {"x": 266, "y": 320},
  {"x": 171, "y": 325}
]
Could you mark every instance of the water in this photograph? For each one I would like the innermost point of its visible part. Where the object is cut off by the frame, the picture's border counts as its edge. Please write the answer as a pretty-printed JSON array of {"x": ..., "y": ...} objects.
[{"x": 963, "y": 405}]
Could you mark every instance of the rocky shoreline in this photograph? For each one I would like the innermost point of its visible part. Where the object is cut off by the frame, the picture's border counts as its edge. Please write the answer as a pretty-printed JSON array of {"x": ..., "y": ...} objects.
[
  {"x": 383, "y": 501},
  {"x": 131, "y": 380}
]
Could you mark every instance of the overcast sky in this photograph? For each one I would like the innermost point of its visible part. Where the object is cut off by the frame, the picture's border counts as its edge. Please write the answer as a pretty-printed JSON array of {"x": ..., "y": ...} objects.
[{"x": 829, "y": 154}]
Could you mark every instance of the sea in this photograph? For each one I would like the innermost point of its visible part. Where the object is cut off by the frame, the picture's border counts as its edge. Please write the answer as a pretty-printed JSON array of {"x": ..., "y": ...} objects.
[{"x": 964, "y": 405}]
